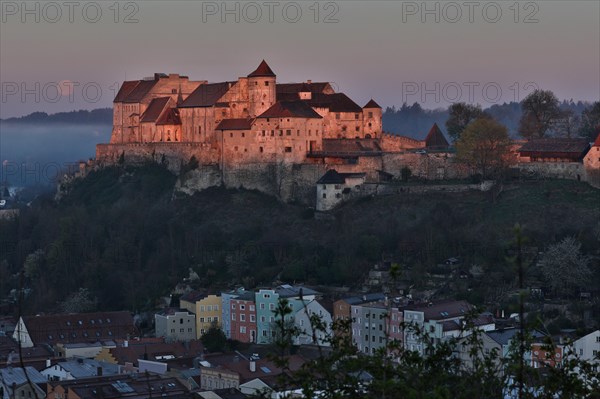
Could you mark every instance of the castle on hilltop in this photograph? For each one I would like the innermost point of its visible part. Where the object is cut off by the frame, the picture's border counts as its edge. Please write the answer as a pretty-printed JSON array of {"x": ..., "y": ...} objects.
[{"x": 245, "y": 132}]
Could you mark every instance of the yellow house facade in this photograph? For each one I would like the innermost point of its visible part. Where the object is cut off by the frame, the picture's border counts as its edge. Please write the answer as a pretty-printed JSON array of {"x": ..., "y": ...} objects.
[{"x": 207, "y": 309}]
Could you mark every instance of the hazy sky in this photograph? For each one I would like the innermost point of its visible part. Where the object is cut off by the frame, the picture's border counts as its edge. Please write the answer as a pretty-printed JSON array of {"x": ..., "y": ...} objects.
[{"x": 394, "y": 51}]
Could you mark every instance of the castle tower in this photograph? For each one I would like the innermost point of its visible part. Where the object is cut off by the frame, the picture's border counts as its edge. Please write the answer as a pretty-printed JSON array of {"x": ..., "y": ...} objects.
[
  {"x": 261, "y": 89},
  {"x": 372, "y": 125}
]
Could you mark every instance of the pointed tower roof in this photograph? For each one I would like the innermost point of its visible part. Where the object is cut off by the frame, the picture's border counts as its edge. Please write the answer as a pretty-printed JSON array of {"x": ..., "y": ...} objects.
[
  {"x": 372, "y": 104},
  {"x": 436, "y": 138},
  {"x": 263, "y": 70},
  {"x": 179, "y": 97},
  {"x": 597, "y": 142}
]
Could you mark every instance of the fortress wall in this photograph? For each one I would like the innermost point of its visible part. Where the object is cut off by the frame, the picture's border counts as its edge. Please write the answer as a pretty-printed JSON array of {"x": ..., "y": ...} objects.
[
  {"x": 173, "y": 153},
  {"x": 560, "y": 170}
]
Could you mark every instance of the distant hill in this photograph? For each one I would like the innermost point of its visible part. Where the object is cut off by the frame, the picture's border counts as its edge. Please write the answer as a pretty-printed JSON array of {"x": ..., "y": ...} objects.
[{"x": 96, "y": 116}]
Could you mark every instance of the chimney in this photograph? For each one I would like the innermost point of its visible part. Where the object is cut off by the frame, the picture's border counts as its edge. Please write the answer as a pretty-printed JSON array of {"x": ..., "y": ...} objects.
[
  {"x": 48, "y": 363},
  {"x": 252, "y": 365},
  {"x": 99, "y": 371},
  {"x": 125, "y": 344}
]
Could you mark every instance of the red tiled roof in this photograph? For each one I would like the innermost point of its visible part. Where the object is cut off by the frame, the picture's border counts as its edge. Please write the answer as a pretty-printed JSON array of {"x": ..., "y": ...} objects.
[
  {"x": 140, "y": 91},
  {"x": 235, "y": 124},
  {"x": 332, "y": 176},
  {"x": 171, "y": 117},
  {"x": 372, "y": 104},
  {"x": 336, "y": 102},
  {"x": 442, "y": 310},
  {"x": 555, "y": 147},
  {"x": 290, "y": 109},
  {"x": 206, "y": 95},
  {"x": 155, "y": 109},
  {"x": 79, "y": 327},
  {"x": 436, "y": 138},
  {"x": 150, "y": 351},
  {"x": 295, "y": 88},
  {"x": 125, "y": 89},
  {"x": 263, "y": 70}
]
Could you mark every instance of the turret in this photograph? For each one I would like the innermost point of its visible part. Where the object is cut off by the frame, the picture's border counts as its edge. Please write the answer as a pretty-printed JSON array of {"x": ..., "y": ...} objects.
[
  {"x": 261, "y": 89},
  {"x": 372, "y": 114}
]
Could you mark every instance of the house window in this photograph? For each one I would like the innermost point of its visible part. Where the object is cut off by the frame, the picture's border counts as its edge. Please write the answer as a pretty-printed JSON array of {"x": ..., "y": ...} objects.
[
  {"x": 252, "y": 308},
  {"x": 242, "y": 317},
  {"x": 324, "y": 195},
  {"x": 271, "y": 306},
  {"x": 233, "y": 306},
  {"x": 242, "y": 307},
  {"x": 243, "y": 330},
  {"x": 262, "y": 305},
  {"x": 233, "y": 316},
  {"x": 252, "y": 318}
]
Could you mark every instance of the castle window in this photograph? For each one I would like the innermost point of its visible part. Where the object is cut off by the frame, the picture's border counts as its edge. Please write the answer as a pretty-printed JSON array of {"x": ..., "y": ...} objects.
[
  {"x": 356, "y": 116},
  {"x": 357, "y": 129},
  {"x": 255, "y": 83},
  {"x": 370, "y": 114},
  {"x": 235, "y": 148},
  {"x": 260, "y": 149},
  {"x": 370, "y": 124},
  {"x": 337, "y": 115},
  {"x": 281, "y": 132},
  {"x": 268, "y": 119},
  {"x": 199, "y": 129},
  {"x": 224, "y": 113},
  {"x": 288, "y": 149},
  {"x": 266, "y": 83},
  {"x": 243, "y": 134},
  {"x": 233, "y": 105},
  {"x": 231, "y": 135},
  {"x": 245, "y": 109},
  {"x": 310, "y": 132},
  {"x": 288, "y": 132},
  {"x": 272, "y": 133},
  {"x": 263, "y": 133},
  {"x": 297, "y": 132},
  {"x": 173, "y": 91}
]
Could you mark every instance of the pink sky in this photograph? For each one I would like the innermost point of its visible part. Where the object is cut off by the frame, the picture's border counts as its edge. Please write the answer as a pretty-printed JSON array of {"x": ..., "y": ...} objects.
[{"x": 382, "y": 50}]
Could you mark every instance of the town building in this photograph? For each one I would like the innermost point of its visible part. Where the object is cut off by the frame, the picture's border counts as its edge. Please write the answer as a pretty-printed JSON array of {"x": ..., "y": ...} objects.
[
  {"x": 73, "y": 328},
  {"x": 175, "y": 325},
  {"x": 334, "y": 187},
  {"x": 587, "y": 348},
  {"x": 375, "y": 325},
  {"x": 206, "y": 307},
  {"x": 243, "y": 318},
  {"x": 314, "y": 333},
  {"x": 79, "y": 368},
  {"x": 16, "y": 382}
]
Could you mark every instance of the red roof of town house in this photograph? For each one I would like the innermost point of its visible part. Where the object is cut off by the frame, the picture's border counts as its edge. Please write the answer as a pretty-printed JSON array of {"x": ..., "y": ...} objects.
[
  {"x": 290, "y": 109},
  {"x": 79, "y": 327},
  {"x": 573, "y": 149},
  {"x": 263, "y": 70},
  {"x": 235, "y": 124},
  {"x": 207, "y": 95},
  {"x": 435, "y": 138},
  {"x": 155, "y": 109},
  {"x": 372, "y": 104}
]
